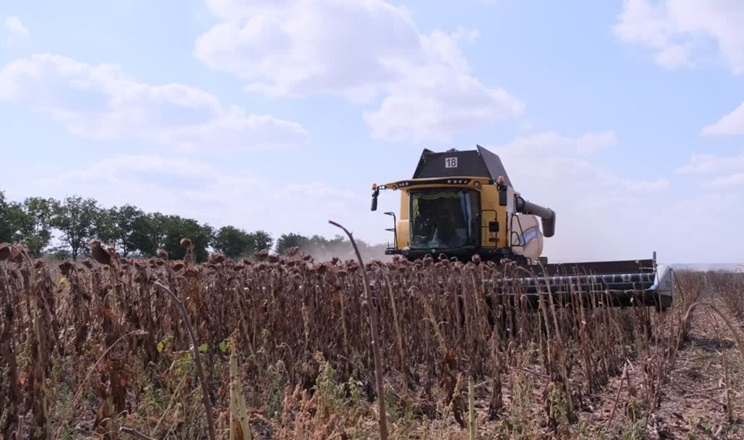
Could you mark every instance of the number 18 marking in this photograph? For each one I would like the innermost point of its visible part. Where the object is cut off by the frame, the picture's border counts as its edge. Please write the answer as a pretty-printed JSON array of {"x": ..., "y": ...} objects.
[{"x": 450, "y": 162}]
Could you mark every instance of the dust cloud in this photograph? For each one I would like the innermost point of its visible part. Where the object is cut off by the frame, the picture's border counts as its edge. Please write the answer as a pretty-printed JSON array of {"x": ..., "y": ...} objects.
[{"x": 345, "y": 251}]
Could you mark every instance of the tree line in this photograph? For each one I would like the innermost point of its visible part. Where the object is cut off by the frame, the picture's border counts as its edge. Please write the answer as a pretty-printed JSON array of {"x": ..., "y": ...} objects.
[{"x": 132, "y": 232}]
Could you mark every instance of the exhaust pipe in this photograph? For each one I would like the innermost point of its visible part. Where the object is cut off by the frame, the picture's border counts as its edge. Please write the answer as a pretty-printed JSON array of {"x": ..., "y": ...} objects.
[{"x": 546, "y": 214}]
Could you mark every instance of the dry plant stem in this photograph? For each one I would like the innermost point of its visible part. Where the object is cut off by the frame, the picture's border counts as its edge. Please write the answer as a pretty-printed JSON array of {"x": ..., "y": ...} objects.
[
  {"x": 726, "y": 382},
  {"x": 375, "y": 337},
  {"x": 197, "y": 358},
  {"x": 430, "y": 315},
  {"x": 8, "y": 346},
  {"x": 688, "y": 317},
  {"x": 134, "y": 433},
  {"x": 623, "y": 379},
  {"x": 39, "y": 332},
  {"x": 471, "y": 409},
  {"x": 172, "y": 400},
  {"x": 231, "y": 410},
  {"x": 728, "y": 393},
  {"x": 563, "y": 366},
  {"x": 100, "y": 358},
  {"x": 399, "y": 334},
  {"x": 29, "y": 282},
  {"x": 343, "y": 325},
  {"x": 239, "y": 427}
]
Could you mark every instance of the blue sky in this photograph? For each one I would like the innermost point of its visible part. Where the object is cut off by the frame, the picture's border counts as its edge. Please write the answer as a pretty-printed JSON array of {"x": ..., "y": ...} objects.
[{"x": 278, "y": 115}]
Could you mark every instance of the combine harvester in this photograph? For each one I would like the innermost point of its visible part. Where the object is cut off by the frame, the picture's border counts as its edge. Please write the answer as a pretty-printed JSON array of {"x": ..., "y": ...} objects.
[{"x": 460, "y": 204}]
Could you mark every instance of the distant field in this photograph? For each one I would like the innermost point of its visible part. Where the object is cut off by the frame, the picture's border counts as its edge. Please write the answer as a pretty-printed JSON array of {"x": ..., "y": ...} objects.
[{"x": 88, "y": 348}]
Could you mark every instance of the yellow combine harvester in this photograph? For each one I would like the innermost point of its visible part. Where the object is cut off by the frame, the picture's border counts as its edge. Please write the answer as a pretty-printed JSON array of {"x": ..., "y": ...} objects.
[{"x": 459, "y": 204}]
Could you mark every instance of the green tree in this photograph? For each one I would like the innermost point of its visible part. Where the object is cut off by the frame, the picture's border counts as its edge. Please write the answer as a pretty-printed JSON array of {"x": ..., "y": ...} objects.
[
  {"x": 37, "y": 233},
  {"x": 6, "y": 232},
  {"x": 236, "y": 243},
  {"x": 127, "y": 228},
  {"x": 261, "y": 240},
  {"x": 135, "y": 229},
  {"x": 173, "y": 228},
  {"x": 149, "y": 233},
  {"x": 76, "y": 218},
  {"x": 286, "y": 241},
  {"x": 106, "y": 227},
  {"x": 8, "y": 227},
  {"x": 132, "y": 231},
  {"x": 233, "y": 242},
  {"x": 13, "y": 221}
]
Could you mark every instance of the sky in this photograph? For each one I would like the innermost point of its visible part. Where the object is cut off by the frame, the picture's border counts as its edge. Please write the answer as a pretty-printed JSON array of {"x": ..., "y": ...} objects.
[{"x": 624, "y": 117}]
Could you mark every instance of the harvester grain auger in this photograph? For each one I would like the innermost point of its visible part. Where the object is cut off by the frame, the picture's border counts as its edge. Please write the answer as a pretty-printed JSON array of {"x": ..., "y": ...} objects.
[{"x": 461, "y": 203}]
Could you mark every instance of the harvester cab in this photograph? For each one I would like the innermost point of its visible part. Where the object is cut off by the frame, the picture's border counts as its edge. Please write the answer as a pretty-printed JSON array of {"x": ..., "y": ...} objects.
[
  {"x": 462, "y": 203},
  {"x": 459, "y": 204}
]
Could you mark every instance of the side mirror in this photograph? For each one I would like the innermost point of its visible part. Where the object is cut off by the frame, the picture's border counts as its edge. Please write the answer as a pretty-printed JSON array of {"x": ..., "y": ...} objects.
[{"x": 374, "y": 199}]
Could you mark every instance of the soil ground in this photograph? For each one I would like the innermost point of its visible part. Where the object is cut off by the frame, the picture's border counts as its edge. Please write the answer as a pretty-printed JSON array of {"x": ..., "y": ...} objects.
[{"x": 694, "y": 402}]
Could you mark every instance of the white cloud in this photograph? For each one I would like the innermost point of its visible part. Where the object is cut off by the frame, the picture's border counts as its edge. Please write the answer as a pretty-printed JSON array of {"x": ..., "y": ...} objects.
[
  {"x": 362, "y": 51},
  {"x": 725, "y": 182},
  {"x": 730, "y": 124},
  {"x": 15, "y": 26},
  {"x": 15, "y": 30},
  {"x": 115, "y": 169},
  {"x": 596, "y": 210},
  {"x": 101, "y": 102},
  {"x": 712, "y": 164},
  {"x": 542, "y": 162},
  {"x": 716, "y": 172},
  {"x": 688, "y": 33},
  {"x": 550, "y": 141},
  {"x": 680, "y": 31}
]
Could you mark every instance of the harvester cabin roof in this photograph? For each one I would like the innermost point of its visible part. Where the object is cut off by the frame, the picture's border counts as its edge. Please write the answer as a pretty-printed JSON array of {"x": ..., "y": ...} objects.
[{"x": 454, "y": 163}]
